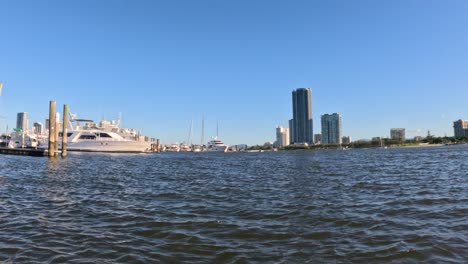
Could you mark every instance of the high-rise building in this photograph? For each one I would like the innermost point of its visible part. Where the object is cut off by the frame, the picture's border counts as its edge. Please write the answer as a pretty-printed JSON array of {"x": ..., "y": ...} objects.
[
  {"x": 22, "y": 121},
  {"x": 301, "y": 125},
  {"x": 397, "y": 134},
  {"x": 460, "y": 128},
  {"x": 331, "y": 129},
  {"x": 38, "y": 128},
  {"x": 282, "y": 136},
  {"x": 318, "y": 139},
  {"x": 291, "y": 131}
]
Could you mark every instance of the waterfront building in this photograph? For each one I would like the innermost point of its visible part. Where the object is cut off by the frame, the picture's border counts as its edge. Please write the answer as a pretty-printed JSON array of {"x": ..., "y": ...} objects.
[
  {"x": 397, "y": 134},
  {"x": 460, "y": 128},
  {"x": 282, "y": 137},
  {"x": 301, "y": 125},
  {"x": 22, "y": 121},
  {"x": 38, "y": 128},
  {"x": 291, "y": 131},
  {"x": 318, "y": 139},
  {"x": 331, "y": 128},
  {"x": 346, "y": 140}
]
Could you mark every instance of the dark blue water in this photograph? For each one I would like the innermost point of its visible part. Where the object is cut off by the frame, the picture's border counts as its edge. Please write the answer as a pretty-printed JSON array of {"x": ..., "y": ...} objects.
[{"x": 357, "y": 206}]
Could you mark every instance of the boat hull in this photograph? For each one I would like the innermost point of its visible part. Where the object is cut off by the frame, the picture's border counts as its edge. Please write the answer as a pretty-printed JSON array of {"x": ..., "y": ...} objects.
[
  {"x": 109, "y": 146},
  {"x": 217, "y": 149}
]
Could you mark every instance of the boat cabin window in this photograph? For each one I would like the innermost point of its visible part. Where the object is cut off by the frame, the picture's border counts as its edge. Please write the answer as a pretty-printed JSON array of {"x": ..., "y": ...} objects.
[
  {"x": 92, "y": 137},
  {"x": 103, "y": 135},
  {"x": 68, "y": 134}
]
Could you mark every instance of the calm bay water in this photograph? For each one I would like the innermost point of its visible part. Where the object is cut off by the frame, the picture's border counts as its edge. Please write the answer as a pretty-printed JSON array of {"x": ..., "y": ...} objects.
[{"x": 394, "y": 205}]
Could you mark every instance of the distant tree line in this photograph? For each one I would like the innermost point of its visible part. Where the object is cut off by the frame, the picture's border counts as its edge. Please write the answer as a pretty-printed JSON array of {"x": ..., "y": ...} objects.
[
  {"x": 384, "y": 142},
  {"x": 260, "y": 147}
]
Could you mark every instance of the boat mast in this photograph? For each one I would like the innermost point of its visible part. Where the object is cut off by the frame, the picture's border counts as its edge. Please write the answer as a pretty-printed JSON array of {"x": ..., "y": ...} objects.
[
  {"x": 203, "y": 130},
  {"x": 189, "y": 141}
]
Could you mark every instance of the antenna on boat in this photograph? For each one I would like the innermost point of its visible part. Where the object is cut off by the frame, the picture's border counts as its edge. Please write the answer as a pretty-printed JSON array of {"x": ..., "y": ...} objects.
[
  {"x": 119, "y": 121},
  {"x": 71, "y": 119},
  {"x": 217, "y": 128}
]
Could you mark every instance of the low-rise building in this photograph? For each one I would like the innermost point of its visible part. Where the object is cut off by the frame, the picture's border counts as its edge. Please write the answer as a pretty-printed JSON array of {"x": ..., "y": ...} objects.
[{"x": 346, "y": 140}]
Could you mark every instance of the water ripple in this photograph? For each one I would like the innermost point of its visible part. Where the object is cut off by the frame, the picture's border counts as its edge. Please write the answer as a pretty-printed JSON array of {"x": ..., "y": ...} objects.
[{"x": 394, "y": 205}]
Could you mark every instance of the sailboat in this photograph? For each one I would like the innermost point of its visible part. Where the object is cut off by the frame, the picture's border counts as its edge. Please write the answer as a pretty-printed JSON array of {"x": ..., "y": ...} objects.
[
  {"x": 382, "y": 144},
  {"x": 186, "y": 146},
  {"x": 199, "y": 148}
]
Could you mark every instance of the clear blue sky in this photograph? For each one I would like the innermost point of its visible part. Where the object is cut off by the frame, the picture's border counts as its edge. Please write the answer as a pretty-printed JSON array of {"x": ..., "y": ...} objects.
[{"x": 382, "y": 64}]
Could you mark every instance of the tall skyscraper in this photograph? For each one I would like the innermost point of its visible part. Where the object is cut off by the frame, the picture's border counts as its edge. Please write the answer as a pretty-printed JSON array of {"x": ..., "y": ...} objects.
[
  {"x": 22, "y": 121},
  {"x": 282, "y": 136},
  {"x": 460, "y": 128},
  {"x": 301, "y": 126},
  {"x": 331, "y": 129}
]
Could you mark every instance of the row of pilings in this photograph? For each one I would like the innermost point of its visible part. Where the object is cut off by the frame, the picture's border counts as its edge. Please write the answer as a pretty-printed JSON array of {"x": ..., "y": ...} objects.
[{"x": 54, "y": 127}]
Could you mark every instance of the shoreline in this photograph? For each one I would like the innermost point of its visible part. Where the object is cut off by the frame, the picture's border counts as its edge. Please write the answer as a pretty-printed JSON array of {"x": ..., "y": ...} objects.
[{"x": 419, "y": 146}]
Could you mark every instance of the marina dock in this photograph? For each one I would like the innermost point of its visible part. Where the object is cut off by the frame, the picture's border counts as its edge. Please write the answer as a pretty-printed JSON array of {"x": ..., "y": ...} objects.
[{"x": 24, "y": 151}]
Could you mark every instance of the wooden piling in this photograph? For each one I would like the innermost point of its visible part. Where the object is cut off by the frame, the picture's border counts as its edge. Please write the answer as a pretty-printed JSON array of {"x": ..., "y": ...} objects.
[
  {"x": 64, "y": 131},
  {"x": 157, "y": 145},
  {"x": 57, "y": 129},
  {"x": 51, "y": 128}
]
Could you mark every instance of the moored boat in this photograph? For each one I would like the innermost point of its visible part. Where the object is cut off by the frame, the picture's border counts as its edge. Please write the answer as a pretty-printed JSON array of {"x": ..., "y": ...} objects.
[
  {"x": 172, "y": 148},
  {"x": 107, "y": 137},
  {"x": 216, "y": 145}
]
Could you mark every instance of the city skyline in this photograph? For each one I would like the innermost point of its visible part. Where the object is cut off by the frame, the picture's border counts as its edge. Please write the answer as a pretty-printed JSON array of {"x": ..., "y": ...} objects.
[{"x": 163, "y": 65}]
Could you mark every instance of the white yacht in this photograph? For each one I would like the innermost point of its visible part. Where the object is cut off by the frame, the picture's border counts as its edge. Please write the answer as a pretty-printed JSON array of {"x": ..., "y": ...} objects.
[
  {"x": 216, "y": 145},
  {"x": 172, "y": 148},
  {"x": 185, "y": 147},
  {"x": 5, "y": 140},
  {"x": 99, "y": 141},
  {"x": 197, "y": 148},
  {"x": 109, "y": 138},
  {"x": 19, "y": 140}
]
